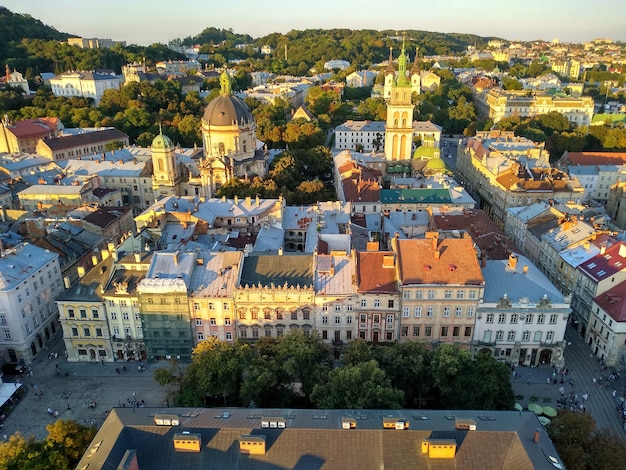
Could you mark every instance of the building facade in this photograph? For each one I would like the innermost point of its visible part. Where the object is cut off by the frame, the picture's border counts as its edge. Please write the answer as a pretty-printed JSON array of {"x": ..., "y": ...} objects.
[
  {"x": 30, "y": 280},
  {"x": 522, "y": 318}
]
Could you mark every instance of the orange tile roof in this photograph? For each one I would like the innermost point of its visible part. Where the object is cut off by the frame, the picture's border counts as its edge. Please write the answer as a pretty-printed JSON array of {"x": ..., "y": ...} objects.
[
  {"x": 457, "y": 263},
  {"x": 492, "y": 241},
  {"x": 372, "y": 277}
]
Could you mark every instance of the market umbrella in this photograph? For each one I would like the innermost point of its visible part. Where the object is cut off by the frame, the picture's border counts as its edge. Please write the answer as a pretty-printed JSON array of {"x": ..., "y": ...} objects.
[
  {"x": 518, "y": 407},
  {"x": 549, "y": 411},
  {"x": 543, "y": 420},
  {"x": 535, "y": 408}
]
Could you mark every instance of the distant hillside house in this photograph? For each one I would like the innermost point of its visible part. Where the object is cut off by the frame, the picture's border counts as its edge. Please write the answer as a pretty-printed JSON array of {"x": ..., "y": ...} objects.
[
  {"x": 14, "y": 79},
  {"x": 74, "y": 146},
  {"x": 85, "y": 84},
  {"x": 361, "y": 79},
  {"x": 93, "y": 43}
]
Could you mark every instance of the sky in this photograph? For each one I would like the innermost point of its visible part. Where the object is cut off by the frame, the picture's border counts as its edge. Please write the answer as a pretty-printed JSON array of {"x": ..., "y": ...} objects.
[{"x": 144, "y": 22}]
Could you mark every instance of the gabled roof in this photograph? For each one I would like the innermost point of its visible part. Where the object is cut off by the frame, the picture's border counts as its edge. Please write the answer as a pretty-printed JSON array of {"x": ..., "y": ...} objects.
[
  {"x": 314, "y": 439},
  {"x": 88, "y": 138},
  {"x": 40, "y": 127},
  {"x": 432, "y": 261},
  {"x": 376, "y": 272},
  {"x": 613, "y": 302},
  {"x": 607, "y": 263}
]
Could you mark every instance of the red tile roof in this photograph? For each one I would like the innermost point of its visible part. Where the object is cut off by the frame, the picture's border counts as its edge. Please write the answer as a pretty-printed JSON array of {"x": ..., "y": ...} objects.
[
  {"x": 594, "y": 158},
  {"x": 606, "y": 264},
  {"x": 372, "y": 276},
  {"x": 41, "y": 127},
  {"x": 492, "y": 241},
  {"x": 613, "y": 302},
  {"x": 457, "y": 262}
]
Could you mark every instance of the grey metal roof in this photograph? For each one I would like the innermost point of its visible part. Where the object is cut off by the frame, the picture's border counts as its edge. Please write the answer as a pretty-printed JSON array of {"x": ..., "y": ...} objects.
[{"x": 314, "y": 439}]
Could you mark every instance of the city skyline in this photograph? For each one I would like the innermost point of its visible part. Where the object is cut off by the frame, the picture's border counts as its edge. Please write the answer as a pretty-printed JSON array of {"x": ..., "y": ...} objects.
[{"x": 144, "y": 23}]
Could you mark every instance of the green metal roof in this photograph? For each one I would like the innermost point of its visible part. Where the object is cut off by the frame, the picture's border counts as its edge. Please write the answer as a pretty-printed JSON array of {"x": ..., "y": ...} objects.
[
  {"x": 412, "y": 196},
  {"x": 292, "y": 269}
]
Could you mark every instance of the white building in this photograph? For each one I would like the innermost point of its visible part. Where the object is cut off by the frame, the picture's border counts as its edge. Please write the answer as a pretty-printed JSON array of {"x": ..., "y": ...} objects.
[
  {"x": 85, "y": 84},
  {"x": 30, "y": 279},
  {"x": 370, "y": 135},
  {"x": 361, "y": 79},
  {"x": 522, "y": 317},
  {"x": 607, "y": 327}
]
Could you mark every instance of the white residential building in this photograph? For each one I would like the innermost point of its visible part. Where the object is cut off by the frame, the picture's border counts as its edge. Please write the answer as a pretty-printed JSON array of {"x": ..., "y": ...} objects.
[
  {"x": 85, "y": 84},
  {"x": 522, "y": 318},
  {"x": 30, "y": 279}
]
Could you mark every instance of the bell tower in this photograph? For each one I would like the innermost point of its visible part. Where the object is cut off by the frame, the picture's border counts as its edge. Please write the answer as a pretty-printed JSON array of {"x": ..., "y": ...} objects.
[
  {"x": 165, "y": 171},
  {"x": 399, "y": 124}
]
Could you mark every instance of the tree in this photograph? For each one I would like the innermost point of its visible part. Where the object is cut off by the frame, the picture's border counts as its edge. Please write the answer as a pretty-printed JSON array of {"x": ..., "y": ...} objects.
[
  {"x": 304, "y": 357},
  {"x": 510, "y": 83},
  {"x": 216, "y": 371},
  {"x": 571, "y": 432},
  {"x": 67, "y": 441},
  {"x": 362, "y": 386}
]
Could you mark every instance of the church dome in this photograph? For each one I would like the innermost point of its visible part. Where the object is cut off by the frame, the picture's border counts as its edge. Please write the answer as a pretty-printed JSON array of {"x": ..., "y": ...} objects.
[
  {"x": 162, "y": 142},
  {"x": 435, "y": 164},
  {"x": 227, "y": 110}
]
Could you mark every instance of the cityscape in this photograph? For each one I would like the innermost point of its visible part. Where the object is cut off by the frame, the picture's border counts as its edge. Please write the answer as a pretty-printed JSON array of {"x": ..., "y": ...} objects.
[{"x": 250, "y": 253}]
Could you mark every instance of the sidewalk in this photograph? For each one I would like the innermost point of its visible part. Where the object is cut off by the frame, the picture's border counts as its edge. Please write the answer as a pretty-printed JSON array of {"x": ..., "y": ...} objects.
[{"x": 75, "y": 387}]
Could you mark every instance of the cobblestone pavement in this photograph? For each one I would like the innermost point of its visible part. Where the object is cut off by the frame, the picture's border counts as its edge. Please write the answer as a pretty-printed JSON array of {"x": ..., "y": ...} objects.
[
  {"x": 579, "y": 381},
  {"x": 74, "y": 387}
]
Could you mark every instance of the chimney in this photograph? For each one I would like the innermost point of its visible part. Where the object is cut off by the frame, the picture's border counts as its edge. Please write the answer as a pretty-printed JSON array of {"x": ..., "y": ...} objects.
[
  {"x": 94, "y": 260},
  {"x": 66, "y": 282},
  {"x": 434, "y": 236},
  {"x": 372, "y": 246},
  {"x": 236, "y": 200},
  {"x": 602, "y": 249},
  {"x": 512, "y": 261},
  {"x": 137, "y": 257},
  {"x": 105, "y": 255},
  {"x": 525, "y": 269},
  {"x": 176, "y": 258},
  {"x": 280, "y": 251},
  {"x": 257, "y": 200},
  {"x": 622, "y": 250},
  {"x": 537, "y": 435},
  {"x": 248, "y": 201},
  {"x": 81, "y": 271}
]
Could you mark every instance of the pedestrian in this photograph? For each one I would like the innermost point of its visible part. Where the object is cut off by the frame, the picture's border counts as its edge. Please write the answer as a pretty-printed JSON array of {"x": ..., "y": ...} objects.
[
  {"x": 594, "y": 380},
  {"x": 614, "y": 393},
  {"x": 139, "y": 368},
  {"x": 117, "y": 370},
  {"x": 134, "y": 394},
  {"x": 124, "y": 369},
  {"x": 102, "y": 360},
  {"x": 548, "y": 380}
]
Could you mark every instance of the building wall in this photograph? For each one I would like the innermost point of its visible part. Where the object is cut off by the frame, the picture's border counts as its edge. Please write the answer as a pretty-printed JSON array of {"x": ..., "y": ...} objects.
[{"x": 27, "y": 308}]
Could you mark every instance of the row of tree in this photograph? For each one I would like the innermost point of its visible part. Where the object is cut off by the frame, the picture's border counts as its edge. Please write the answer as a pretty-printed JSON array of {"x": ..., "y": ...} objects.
[{"x": 297, "y": 370}]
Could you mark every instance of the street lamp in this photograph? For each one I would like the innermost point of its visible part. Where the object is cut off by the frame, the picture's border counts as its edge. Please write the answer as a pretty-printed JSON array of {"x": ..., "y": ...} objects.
[{"x": 66, "y": 396}]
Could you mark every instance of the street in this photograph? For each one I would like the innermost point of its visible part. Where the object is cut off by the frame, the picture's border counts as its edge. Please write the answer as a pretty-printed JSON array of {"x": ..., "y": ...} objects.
[{"x": 579, "y": 381}]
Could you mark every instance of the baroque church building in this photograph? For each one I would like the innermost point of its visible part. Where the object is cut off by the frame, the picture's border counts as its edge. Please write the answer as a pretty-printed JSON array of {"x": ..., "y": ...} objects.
[{"x": 230, "y": 150}]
